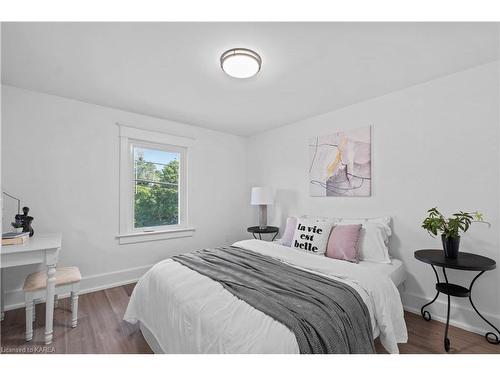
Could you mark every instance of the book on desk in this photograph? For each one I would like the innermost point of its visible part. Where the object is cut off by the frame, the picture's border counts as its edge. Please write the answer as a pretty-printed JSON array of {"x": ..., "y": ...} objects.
[{"x": 14, "y": 238}]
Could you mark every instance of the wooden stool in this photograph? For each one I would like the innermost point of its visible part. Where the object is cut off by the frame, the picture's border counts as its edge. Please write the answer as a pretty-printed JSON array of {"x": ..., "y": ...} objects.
[{"x": 35, "y": 285}]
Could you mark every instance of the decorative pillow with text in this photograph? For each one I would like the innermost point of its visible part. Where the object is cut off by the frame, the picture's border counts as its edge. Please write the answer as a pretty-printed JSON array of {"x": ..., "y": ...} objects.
[{"x": 311, "y": 236}]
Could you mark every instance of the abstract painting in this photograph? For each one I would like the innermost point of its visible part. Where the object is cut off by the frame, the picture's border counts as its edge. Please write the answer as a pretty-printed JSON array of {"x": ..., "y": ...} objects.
[{"x": 340, "y": 164}]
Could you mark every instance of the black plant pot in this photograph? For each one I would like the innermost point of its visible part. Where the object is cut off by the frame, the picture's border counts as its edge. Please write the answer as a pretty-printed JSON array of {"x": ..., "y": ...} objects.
[{"x": 450, "y": 246}]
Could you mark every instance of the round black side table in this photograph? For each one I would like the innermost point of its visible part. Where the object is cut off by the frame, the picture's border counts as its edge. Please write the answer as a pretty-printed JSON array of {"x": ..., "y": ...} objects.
[
  {"x": 465, "y": 262},
  {"x": 260, "y": 231}
]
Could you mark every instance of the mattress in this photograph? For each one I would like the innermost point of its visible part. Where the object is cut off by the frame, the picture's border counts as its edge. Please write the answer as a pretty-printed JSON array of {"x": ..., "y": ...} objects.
[
  {"x": 182, "y": 311},
  {"x": 396, "y": 270}
]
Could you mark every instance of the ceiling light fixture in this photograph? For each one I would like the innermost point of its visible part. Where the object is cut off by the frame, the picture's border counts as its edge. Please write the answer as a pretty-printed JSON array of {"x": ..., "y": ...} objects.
[{"x": 240, "y": 62}]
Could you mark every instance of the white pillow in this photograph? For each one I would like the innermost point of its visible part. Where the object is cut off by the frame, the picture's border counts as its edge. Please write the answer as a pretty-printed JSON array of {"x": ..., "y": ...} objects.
[
  {"x": 386, "y": 220},
  {"x": 320, "y": 218},
  {"x": 312, "y": 235},
  {"x": 372, "y": 245}
]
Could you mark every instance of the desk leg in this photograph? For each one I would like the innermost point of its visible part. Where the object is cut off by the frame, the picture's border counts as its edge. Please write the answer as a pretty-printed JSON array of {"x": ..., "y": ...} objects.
[
  {"x": 2, "y": 314},
  {"x": 49, "y": 304},
  {"x": 494, "y": 337}
]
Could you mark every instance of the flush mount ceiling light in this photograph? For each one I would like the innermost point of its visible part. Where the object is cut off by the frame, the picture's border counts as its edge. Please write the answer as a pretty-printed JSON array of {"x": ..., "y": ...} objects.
[{"x": 240, "y": 62}]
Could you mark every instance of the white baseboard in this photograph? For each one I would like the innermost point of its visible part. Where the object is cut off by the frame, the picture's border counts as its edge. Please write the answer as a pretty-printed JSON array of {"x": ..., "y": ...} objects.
[
  {"x": 14, "y": 299},
  {"x": 460, "y": 316}
]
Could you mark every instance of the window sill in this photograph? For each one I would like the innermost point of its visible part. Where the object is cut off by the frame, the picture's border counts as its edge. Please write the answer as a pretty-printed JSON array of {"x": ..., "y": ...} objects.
[{"x": 164, "y": 234}]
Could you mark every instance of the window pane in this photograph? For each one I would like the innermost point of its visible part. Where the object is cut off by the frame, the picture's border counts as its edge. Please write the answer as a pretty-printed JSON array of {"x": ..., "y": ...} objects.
[{"x": 156, "y": 182}]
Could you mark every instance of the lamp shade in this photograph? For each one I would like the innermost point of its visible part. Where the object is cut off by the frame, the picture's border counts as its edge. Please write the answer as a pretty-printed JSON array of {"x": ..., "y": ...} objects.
[{"x": 261, "y": 195}]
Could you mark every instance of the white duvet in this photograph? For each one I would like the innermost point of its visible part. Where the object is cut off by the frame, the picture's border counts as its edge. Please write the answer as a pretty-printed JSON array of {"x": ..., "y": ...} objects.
[{"x": 190, "y": 313}]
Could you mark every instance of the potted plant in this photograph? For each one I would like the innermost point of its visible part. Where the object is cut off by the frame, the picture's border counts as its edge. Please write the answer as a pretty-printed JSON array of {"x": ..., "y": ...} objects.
[{"x": 450, "y": 228}]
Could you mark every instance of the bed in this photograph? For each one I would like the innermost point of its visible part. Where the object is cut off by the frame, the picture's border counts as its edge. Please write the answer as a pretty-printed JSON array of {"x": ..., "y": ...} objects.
[{"x": 182, "y": 311}]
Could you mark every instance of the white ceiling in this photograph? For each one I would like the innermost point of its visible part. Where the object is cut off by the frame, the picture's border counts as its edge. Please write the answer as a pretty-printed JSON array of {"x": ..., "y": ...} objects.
[{"x": 171, "y": 70}]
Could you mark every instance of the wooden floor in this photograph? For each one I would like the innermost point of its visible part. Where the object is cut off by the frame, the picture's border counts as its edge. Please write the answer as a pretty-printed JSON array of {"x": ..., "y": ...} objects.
[{"x": 102, "y": 330}]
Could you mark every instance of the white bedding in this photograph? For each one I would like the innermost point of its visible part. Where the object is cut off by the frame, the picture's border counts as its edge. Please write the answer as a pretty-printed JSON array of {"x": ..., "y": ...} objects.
[
  {"x": 190, "y": 313},
  {"x": 395, "y": 270}
]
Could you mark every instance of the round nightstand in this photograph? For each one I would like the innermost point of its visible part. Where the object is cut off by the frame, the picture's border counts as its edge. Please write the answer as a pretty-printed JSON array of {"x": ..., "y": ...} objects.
[
  {"x": 260, "y": 231},
  {"x": 464, "y": 262}
]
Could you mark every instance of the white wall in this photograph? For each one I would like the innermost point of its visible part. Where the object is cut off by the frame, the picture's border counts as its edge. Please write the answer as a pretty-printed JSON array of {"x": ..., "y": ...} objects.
[
  {"x": 432, "y": 144},
  {"x": 61, "y": 156}
]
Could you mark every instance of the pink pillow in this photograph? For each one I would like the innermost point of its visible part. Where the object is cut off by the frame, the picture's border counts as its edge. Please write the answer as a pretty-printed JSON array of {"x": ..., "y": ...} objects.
[
  {"x": 287, "y": 238},
  {"x": 343, "y": 242}
]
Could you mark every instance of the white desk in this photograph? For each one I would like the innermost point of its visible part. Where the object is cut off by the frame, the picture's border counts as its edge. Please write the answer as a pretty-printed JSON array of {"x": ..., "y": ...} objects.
[{"x": 41, "y": 248}]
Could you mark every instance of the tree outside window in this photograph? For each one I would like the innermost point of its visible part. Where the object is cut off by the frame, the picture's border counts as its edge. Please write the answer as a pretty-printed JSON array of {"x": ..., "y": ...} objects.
[{"x": 156, "y": 190}]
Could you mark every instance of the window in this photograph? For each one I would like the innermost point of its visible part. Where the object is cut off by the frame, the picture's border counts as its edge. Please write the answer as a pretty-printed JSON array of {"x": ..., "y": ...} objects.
[
  {"x": 156, "y": 187},
  {"x": 153, "y": 186}
]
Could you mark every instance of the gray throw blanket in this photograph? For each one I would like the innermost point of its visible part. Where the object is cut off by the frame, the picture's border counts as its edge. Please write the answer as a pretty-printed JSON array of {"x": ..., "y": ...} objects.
[{"x": 326, "y": 316}]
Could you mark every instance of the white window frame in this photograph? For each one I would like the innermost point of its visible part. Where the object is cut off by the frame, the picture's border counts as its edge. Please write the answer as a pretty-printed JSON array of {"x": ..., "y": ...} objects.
[{"x": 130, "y": 137}]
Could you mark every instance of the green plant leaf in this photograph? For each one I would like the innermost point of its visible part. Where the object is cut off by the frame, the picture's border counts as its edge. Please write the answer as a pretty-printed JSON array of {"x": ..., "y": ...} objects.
[{"x": 460, "y": 221}]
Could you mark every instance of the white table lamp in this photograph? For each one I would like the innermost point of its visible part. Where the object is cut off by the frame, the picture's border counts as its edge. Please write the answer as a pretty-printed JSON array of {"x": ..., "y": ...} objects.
[{"x": 262, "y": 196}]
